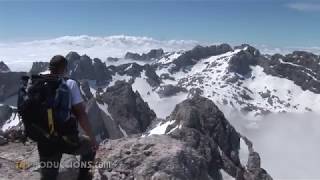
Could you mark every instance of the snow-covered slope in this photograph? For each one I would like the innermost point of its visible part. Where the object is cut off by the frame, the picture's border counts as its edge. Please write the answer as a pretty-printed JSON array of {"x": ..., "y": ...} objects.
[
  {"x": 256, "y": 93},
  {"x": 238, "y": 78}
]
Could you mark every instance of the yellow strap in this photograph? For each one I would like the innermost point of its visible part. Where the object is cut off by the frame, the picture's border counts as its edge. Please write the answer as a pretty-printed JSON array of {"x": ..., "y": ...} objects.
[{"x": 50, "y": 121}]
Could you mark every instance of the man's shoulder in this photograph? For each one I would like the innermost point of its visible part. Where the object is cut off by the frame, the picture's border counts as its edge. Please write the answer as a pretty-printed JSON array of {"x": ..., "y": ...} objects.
[{"x": 71, "y": 83}]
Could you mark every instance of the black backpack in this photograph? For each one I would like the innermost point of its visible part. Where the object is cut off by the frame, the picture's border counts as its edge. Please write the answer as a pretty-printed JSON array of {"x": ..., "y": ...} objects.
[{"x": 44, "y": 105}]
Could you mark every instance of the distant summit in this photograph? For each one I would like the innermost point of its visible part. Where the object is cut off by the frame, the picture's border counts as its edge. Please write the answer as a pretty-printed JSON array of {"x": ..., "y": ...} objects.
[{"x": 4, "y": 67}]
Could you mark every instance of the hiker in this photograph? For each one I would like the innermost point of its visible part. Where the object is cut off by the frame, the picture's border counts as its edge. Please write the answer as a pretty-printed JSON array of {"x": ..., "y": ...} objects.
[{"x": 60, "y": 133}]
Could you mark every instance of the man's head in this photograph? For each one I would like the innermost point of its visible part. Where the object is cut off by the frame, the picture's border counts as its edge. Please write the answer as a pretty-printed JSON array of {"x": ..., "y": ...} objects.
[{"x": 58, "y": 65}]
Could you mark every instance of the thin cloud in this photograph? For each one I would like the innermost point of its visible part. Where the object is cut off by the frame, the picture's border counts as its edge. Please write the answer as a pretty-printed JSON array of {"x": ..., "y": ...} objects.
[{"x": 306, "y": 7}]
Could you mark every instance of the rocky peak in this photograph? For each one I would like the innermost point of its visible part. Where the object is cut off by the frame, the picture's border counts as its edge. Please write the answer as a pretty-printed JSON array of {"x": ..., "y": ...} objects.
[
  {"x": 102, "y": 74},
  {"x": 200, "y": 123},
  {"x": 191, "y": 57},
  {"x": 128, "y": 108},
  {"x": 241, "y": 62},
  {"x": 4, "y": 67},
  {"x": 203, "y": 115},
  {"x": 72, "y": 56},
  {"x": 153, "y": 54},
  {"x": 300, "y": 67},
  {"x": 38, "y": 67},
  {"x": 83, "y": 67},
  {"x": 198, "y": 145}
]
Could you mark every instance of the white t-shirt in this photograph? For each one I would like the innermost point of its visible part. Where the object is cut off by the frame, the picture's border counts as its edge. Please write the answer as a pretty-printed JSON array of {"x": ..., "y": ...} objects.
[{"x": 76, "y": 97}]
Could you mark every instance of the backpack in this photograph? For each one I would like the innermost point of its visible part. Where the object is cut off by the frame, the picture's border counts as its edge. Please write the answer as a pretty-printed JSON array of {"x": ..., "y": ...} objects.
[{"x": 44, "y": 105}]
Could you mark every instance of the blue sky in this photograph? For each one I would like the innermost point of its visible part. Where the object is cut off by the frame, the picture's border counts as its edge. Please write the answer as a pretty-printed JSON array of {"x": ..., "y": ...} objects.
[{"x": 270, "y": 22}]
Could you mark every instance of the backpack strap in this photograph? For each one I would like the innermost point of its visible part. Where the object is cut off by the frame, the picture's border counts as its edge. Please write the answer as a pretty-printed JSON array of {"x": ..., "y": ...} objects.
[{"x": 50, "y": 121}]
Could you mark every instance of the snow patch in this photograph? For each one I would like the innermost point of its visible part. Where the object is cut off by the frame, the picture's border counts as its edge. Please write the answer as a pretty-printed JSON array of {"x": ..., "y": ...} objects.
[
  {"x": 13, "y": 121},
  {"x": 160, "y": 128}
]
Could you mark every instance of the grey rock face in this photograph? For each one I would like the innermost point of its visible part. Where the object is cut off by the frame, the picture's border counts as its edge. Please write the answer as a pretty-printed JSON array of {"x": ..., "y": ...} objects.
[
  {"x": 72, "y": 58},
  {"x": 153, "y": 54},
  {"x": 85, "y": 87},
  {"x": 202, "y": 114},
  {"x": 191, "y": 57},
  {"x": 5, "y": 113},
  {"x": 241, "y": 62},
  {"x": 154, "y": 157},
  {"x": 128, "y": 108},
  {"x": 152, "y": 78},
  {"x": 38, "y": 67},
  {"x": 204, "y": 145},
  {"x": 131, "y": 69},
  {"x": 9, "y": 84},
  {"x": 4, "y": 67},
  {"x": 300, "y": 67},
  {"x": 101, "y": 72},
  {"x": 3, "y": 141},
  {"x": 112, "y": 59},
  {"x": 203, "y": 126},
  {"x": 134, "y": 70},
  {"x": 97, "y": 120},
  {"x": 170, "y": 90},
  {"x": 83, "y": 67},
  {"x": 192, "y": 151}
]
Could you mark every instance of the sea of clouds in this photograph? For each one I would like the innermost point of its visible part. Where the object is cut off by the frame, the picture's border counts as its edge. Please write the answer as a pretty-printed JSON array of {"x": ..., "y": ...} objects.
[
  {"x": 287, "y": 142},
  {"x": 20, "y": 55}
]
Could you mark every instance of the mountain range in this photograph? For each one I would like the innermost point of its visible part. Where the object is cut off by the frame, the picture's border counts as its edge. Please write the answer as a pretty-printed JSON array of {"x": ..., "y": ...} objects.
[{"x": 174, "y": 99}]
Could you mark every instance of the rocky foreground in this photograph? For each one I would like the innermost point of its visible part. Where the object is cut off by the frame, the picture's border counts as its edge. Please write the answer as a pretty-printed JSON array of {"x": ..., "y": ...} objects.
[{"x": 199, "y": 144}]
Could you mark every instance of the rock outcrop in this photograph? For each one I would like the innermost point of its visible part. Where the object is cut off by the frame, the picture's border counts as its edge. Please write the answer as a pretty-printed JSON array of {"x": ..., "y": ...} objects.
[
  {"x": 83, "y": 67},
  {"x": 5, "y": 113},
  {"x": 170, "y": 90},
  {"x": 302, "y": 68},
  {"x": 38, "y": 67},
  {"x": 128, "y": 108},
  {"x": 198, "y": 145},
  {"x": 191, "y": 57},
  {"x": 154, "y": 157},
  {"x": 151, "y": 55},
  {"x": 4, "y": 67},
  {"x": 135, "y": 70},
  {"x": 9, "y": 84},
  {"x": 241, "y": 62}
]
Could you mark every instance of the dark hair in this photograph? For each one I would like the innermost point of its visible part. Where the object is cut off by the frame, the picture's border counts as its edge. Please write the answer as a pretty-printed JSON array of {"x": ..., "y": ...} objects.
[{"x": 57, "y": 63}]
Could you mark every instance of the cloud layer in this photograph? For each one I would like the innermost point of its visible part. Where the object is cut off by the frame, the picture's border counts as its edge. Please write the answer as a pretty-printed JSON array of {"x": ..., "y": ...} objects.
[{"x": 19, "y": 56}]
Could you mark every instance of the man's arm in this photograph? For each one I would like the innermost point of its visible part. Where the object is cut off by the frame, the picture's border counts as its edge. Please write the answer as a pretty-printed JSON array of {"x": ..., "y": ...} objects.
[{"x": 80, "y": 113}]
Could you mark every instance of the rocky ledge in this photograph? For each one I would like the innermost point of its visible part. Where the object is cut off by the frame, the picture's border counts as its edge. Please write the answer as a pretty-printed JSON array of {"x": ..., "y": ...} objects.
[{"x": 198, "y": 144}]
